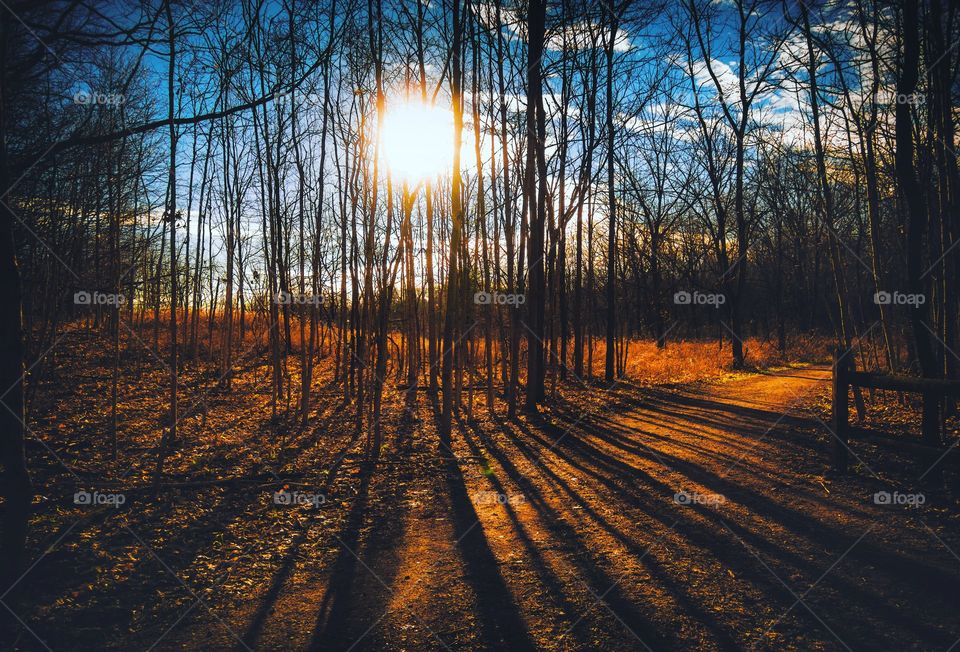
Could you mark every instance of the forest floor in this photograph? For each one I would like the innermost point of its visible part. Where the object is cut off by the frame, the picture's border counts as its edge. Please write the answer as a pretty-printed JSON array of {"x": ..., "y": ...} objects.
[{"x": 668, "y": 517}]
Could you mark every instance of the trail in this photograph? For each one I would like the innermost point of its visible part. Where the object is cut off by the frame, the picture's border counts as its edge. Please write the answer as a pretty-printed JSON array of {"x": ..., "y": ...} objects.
[{"x": 698, "y": 517}]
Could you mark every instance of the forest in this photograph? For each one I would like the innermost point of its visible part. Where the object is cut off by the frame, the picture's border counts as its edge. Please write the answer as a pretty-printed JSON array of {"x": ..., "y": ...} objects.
[{"x": 479, "y": 324}]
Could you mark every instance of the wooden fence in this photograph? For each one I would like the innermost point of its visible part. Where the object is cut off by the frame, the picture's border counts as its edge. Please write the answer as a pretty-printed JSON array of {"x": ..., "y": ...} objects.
[{"x": 844, "y": 377}]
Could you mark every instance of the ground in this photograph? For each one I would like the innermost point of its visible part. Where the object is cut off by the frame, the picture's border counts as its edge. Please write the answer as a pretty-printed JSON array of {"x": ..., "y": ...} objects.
[{"x": 694, "y": 516}]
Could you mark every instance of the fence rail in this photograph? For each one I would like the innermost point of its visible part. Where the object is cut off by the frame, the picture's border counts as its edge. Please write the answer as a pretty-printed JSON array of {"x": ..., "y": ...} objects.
[{"x": 845, "y": 377}]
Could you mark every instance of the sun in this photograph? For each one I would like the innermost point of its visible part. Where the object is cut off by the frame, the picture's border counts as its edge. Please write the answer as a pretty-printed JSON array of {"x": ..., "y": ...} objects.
[{"x": 416, "y": 140}]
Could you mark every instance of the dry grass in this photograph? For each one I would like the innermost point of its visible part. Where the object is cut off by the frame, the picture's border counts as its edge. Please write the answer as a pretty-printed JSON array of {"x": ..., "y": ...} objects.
[
  {"x": 682, "y": 361},
  {"x": 692, "y": 361}
]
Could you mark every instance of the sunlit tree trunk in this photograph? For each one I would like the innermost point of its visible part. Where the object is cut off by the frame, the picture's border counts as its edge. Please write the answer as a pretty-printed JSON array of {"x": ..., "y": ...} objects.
[
  {"x": 611, "y": 210},
  {"x": 836, "y": 258},
  {"x": 536, "y": 184},
  {"x": 482, "y": 213},
  {"x": 170, "y": 435},
  {"x": 453, "y": 295}
]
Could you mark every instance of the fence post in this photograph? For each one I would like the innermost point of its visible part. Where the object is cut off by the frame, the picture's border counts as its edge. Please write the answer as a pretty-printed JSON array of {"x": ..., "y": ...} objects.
[{"x": 841, "y": 383}]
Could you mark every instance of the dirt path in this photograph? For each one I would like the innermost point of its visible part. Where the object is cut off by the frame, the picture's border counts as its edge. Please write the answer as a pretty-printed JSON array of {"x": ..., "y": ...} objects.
[{"x": 694, "y": 518}]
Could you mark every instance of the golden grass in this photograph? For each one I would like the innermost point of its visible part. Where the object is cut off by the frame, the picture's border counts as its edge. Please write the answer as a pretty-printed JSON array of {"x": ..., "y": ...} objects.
[
  {"x": 681, "y": 361},
  {"x": 698, "y": 360}
]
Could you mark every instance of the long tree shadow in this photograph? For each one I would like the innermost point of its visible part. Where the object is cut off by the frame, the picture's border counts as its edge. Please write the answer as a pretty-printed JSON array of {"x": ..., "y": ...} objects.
[
  {"x": 78, "y": 566},
  {"x": 557, "y": 592},
  {"x": 330, "y": 630},
  {"x": 500, "y": 618},
  {"x": 760, "y": 502},
  {"x": 824, "y": 535},
  {"x": 368, "y": 557},
  {"x": 283, "y": 573},
  {"x": 601, "y": 583}
]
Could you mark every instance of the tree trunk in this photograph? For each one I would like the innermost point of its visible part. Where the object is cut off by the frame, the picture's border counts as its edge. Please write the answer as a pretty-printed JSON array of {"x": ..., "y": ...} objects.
[
  {"x": 16, "y": 487},
  {"x": 913, "y": 205}
]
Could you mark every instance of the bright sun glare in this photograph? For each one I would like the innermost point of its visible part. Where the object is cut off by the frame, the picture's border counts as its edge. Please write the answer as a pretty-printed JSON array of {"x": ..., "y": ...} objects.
[{"x": 417, "y": 140}]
